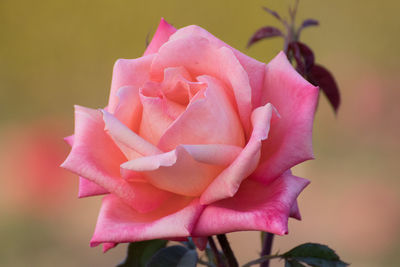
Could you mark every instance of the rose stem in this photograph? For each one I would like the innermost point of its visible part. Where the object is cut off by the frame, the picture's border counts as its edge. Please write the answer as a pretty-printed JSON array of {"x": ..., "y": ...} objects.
[
  {"x": 267, "y": 247},
  {"x": 217, "y": 256},
  {"x": 226, "y": 248}
]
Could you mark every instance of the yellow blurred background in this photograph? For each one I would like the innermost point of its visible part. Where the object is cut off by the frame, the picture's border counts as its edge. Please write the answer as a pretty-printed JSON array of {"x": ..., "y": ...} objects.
[{"x": 54, "y": 54}]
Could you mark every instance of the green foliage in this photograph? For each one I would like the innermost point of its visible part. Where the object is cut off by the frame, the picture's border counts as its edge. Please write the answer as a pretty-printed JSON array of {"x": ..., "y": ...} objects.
[
  {"x": 139, "y": 253},
  {"x": 293, "y": 263},
  {"x": 308, "y": 254},
  {"x": 210, "y": 256},
  {"x": 174, "y": 256},
  {"x": 312, "y": 254}
]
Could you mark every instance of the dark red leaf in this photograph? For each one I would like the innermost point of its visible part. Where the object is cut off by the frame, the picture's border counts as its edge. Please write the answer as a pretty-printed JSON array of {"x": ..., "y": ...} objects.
[
  {"x": 307, "y": 55},
  {"x": 295, "y": 50},
  {"x": 264, "y": 33},
  {"x": 273, "y": 13},
  {"x": 321, "y": 77},
  {"x": 307, "y": 23},
  {"x": 303, "y": 55}
]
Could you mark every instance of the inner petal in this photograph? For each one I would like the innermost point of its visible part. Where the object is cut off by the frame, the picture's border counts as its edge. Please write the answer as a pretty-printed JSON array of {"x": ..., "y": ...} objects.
[
  {"x": 175, "y": 85},
  {"x": 163, "y": 102},
  {"x": 210, "y": 118},
  {"x": 158, "y": 112},
  {"x": 201, "y": 57},
  {"x": 179, "y": 86}
]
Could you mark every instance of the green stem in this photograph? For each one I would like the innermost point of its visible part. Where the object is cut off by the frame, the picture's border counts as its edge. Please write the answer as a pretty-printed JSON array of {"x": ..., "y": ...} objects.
[
  {"x": 226, "y": 248},
  {"x": 261, "y": 260},
  {"x": 217, "y": 256},
  {"x": 267, "y": 248}
]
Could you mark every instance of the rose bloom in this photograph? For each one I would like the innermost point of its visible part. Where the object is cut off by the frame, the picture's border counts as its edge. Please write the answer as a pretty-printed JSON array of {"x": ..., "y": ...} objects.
[{"x": 197, "y": 139}]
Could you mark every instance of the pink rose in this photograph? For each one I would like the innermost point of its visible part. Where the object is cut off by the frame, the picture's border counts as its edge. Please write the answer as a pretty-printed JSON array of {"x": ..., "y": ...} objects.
[{"x": 197, "y": 139}]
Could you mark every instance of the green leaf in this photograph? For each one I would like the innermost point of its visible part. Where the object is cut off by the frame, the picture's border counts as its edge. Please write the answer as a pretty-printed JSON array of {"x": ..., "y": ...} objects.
[
  {"x": 293, "y": 263},
  {"x": 174, "y": 256},
  {"x": 261, "y": 260},
  {"x": 210, "y": 256},
  {"x": 140, "y": 252},
  {"x": 314, "y": 255},
  {"x": 312, "y": 250}
]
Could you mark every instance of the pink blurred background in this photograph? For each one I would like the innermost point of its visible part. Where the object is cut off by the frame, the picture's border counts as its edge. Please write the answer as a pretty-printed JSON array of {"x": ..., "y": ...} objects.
[{"x": 54, "y": 54}]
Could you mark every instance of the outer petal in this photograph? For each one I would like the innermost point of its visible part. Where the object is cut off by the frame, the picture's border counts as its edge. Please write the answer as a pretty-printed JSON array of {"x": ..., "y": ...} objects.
[
  {"x": 228, "y": 182},
  {"x": 108, "y": 246},
  {"x": 88, "y": 188},
  {"x": 187, "y": 170},
  {"x": 95, "y": 157},
  {"x": 93, "y": 153},
  {"x": 295, "y": 211},
  {"x": 290, "y": 140},
  {"x": 119, "y": 223},
  {"x": 254, "y": 207},
  {"x": 209, "y": 120},
  {"x": 164, "y": 31},
  {"x": 255, "y": 69},
  {"x": 69, "y": 140},
  {"x": 200, "y": 57},
  {"x": 128, "y": 72}
]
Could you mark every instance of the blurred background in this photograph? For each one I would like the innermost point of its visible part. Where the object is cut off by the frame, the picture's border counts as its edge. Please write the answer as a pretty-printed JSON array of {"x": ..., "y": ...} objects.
[{"x": 54, "y": 54}]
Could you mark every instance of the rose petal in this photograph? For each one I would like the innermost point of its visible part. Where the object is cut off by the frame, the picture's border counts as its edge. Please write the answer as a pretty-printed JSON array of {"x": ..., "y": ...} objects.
[
  {"x": 128, "y": 141},
  {"x": 129, "y": 108},
  {"x": 200, "y": 57},
  {"x": 88, "y": 188},
  {"x": 255, "y": 69},
  {"x": 187, "y": 170},
  {"x": 295, "y": 211},
  {"x": 254, "y": 207},
  {"x": 92, "y": 147},
  {"x": 290, "y": 136},
  {"x": 132, "y": 176},
  {"x": 210, "y": 120},
  {"x": 164, "y": 31},
  {"x": 156, "y": 116},
  {"x": 119, "y": 223},
  {"x": 128, "y": 72},
  {"x": 228, "y": 182},
  {"x": 69, "y": 140},
  {"x": 179, "y": 86},
  {"x": 108, "y": 246},
  {"x": 95, "y": 157}
]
